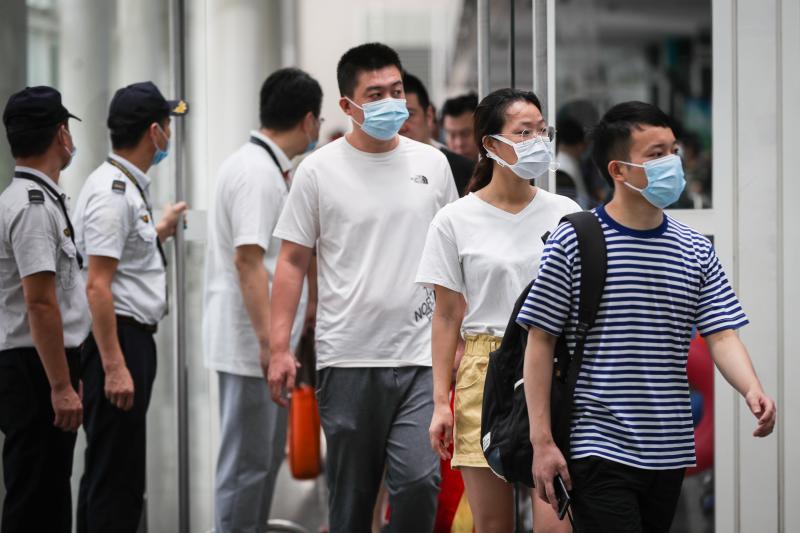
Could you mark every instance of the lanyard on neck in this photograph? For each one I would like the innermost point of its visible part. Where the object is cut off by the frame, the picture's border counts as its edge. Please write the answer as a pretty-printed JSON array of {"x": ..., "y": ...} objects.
[
  {"x": 59, "y": 200},
  {"x": 135, "y": 182},
  {"x": 258, "y": 142}
]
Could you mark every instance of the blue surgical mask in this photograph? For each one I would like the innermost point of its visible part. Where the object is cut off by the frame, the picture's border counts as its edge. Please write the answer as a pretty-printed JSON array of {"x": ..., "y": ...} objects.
[
  {"x": 665, "y": 180},
  {"x": 384, "y": 118},
  {"x": 311, "y": 145},
  {"x": 160, "y": 154}
]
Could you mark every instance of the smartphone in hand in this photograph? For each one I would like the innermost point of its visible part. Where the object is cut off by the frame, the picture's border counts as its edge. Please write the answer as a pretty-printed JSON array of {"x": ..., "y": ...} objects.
[{"x": 562, "y": 496}]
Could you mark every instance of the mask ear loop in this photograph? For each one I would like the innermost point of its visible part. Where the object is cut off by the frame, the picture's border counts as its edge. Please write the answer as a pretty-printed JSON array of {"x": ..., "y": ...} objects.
[
  {"x": 360, "y": 125},
  {"x": 494, "y": 156},
  {"x": 634, "y": 187}
]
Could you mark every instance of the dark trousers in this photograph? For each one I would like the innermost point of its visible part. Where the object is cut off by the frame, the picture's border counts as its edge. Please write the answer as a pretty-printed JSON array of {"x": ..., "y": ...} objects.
[
  {"x": 113, "y": 483},
  {"x": 37, "y": 456},
  {"x": 616, "y": 498}
]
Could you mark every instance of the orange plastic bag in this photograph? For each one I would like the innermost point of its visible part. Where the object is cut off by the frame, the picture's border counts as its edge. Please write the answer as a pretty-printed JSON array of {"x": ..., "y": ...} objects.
[
  {"x": 304, "y": 443},
  {"x": 305, "y": 461}
]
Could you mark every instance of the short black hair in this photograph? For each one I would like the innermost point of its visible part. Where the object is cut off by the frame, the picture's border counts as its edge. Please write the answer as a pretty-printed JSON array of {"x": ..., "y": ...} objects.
[
  {"x": 287, "y": 95},
  {"x": 570, "y": 131},
  {"x": 30, "y": 143},
  {"x": 370, "y": 56},
  {"x": 612, "y": 135},
  {"x": 129, "y": 136},
  {"x": 413, "y": 85},
  {"x": 458, "y": 105}
]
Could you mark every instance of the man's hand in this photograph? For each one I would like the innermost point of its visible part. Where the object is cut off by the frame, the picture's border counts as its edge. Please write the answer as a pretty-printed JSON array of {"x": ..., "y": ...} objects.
[
  {"x": 547, "y": 462},
  {"x": 67, "y": 408},
  {"x": 441, "y": 430},
  {"x": 732, "y": 359},
  {"x": 119, "y": 387},
  {"x": 281, "y": 374},
  {"x": 169, "y": 220},
  {"x": 764, "y": 409}
]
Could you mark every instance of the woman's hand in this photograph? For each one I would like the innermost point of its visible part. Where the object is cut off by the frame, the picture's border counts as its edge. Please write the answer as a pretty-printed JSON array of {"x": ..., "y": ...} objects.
[{"x": 441, "y": 430}]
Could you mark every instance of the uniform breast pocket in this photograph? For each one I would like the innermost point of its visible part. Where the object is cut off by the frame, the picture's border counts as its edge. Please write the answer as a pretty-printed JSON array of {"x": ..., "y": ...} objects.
[
  {"x": 144, "y": 236},
  {"x": 67, "y": 265}
]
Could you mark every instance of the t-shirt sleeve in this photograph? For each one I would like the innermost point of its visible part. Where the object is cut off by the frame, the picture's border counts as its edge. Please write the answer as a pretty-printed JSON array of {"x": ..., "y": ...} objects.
[
  {"x": 449, "y": 191},
  {"x": 255, "y": 204},
  {"x": 718, "y": 308},
  {"x": 547, "y": 306},
  {"x": 440, "y": 263},
  {"x": 299, "y": 221},
  {"x": 106, "y": 224},
  {"x": 33, "y": 241}
]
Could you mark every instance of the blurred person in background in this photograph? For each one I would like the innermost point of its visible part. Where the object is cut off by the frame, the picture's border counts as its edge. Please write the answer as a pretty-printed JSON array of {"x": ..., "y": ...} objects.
[{"x": 458, "y": 124}]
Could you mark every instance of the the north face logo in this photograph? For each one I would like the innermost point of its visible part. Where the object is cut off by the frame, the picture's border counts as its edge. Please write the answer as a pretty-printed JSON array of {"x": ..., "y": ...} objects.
[{"x": 419, "y": 178}]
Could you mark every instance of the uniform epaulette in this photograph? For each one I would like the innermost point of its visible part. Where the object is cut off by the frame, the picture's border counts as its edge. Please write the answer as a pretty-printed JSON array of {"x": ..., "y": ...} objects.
[
  {"x": 35, "y": 196},
  {"x": 118, "y": 186}
]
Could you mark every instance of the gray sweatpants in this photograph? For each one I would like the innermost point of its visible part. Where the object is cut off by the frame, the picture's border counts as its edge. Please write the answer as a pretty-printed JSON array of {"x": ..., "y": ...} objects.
[
  {"x": 253, "y": 439},
  {"x": 375, "y": 418}
]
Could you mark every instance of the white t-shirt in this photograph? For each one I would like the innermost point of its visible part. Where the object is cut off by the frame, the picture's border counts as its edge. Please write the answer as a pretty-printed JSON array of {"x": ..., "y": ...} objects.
[
  {"x": 249, "y": 197},
  {"x": 489, "y": 255},
  {"x": 368, "y": 215}
]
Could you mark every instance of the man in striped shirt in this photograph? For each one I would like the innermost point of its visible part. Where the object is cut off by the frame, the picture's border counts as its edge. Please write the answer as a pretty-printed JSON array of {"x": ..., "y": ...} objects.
[{"x": 631, "y": 435}]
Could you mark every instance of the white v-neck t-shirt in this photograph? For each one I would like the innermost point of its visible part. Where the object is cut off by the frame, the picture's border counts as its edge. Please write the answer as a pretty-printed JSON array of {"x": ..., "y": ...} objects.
[
  {"x": 489, "y": 255},
  {"x": 368, "y": 215}
]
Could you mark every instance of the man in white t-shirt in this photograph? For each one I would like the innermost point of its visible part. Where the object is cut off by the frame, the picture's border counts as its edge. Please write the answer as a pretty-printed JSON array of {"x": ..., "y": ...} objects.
[
  {"x": 366, "y": 201},
  {"x": 240, "y": 262}
]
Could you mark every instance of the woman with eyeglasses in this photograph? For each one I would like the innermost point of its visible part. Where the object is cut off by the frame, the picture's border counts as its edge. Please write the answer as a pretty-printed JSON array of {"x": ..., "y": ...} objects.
[{"x": 481, "y": 252}]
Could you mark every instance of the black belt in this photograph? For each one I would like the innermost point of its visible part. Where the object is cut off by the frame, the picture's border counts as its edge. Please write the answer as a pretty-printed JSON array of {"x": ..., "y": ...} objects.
[
  {"x": 70, "y": 352},
  {"x": 147, "y": 328}
]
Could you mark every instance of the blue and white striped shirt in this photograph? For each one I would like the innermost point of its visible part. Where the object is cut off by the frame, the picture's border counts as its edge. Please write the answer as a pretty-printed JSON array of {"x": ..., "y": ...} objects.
[{"x": 632, "y": 398}]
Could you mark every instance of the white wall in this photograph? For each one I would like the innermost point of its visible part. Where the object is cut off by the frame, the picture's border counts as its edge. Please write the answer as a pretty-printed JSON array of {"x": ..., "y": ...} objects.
[{"x": 757, "y": 83}]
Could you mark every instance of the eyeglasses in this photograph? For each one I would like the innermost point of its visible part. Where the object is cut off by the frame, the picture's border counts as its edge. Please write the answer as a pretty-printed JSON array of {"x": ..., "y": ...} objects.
[{"x": 548, "y": 132}]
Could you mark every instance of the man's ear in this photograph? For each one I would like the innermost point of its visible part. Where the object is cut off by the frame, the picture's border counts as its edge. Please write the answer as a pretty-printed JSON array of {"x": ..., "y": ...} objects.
[
  {"x": 309, "y": 119},
  {"x": 344, "y": 105},
  {"x": 615, "y": 170}
]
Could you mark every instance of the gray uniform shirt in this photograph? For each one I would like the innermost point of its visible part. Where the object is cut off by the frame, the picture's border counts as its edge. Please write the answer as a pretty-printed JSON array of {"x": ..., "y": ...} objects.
[
  {"x": 34, "y": 238},
  {"x": 111, "y": 220}
]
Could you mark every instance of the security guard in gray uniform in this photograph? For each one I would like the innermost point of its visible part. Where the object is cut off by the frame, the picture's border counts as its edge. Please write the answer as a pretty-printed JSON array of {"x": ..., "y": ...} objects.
[
  {"x": 44, "y": 318},
  {"x": 127, "y": 290}
]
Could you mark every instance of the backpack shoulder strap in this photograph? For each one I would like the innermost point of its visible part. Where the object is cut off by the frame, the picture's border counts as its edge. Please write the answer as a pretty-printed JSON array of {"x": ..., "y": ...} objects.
[{"x": 592, "y": 251}]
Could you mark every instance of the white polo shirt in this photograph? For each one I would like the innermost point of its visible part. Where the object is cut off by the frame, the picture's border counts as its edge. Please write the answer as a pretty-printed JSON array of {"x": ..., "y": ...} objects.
[
  {"x": 250, "y": 193},
  {"x": 112, "y": 220},
  {"x": 34, "y": 237},
  {"x": 369, "y": 214}
]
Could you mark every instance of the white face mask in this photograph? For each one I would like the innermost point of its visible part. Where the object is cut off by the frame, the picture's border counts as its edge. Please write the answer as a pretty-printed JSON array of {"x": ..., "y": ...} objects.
[{"x": 534, "y": 157}]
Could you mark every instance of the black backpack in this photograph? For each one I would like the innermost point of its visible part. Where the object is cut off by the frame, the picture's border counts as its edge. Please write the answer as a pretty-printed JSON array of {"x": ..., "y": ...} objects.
[{"x": 505, "y": 428}]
